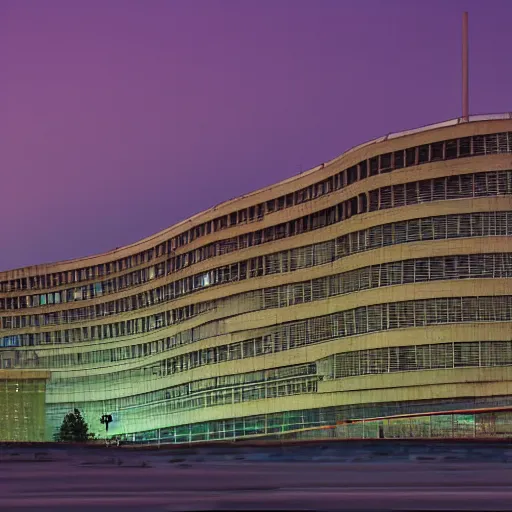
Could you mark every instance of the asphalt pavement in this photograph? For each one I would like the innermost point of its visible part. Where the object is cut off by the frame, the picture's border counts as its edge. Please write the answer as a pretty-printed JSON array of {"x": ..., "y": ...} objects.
[{"x": 118, "y": 480}]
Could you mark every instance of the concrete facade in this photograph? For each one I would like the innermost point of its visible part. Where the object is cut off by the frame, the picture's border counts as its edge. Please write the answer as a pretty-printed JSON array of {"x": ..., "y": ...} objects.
[{"x": 374, "y": 285}]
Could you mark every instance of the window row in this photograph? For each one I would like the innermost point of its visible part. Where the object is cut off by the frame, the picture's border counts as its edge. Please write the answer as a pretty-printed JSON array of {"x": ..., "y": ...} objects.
[
  {"x": 233, "y": 428},
  {"x": 255, "y": 267},
  {"x": 421, "y": 357},
  {"x": 169, "y": 403},
  {"x": 387, "y": 274},
  {"x": 483, "y": 184},
  {"x": 292, "y": 335},
  {"x": 236, "y": 395},
  {"x": 437, "y": 151},
  {"x": 222, "y": 381}
]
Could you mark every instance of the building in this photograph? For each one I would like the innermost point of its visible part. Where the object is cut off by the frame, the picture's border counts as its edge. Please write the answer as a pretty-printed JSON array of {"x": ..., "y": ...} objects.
[{"x": 374, "y": 287}]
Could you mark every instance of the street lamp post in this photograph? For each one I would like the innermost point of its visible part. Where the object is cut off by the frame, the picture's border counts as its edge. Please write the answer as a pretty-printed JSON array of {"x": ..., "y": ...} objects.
[{"x": 105, "y": 420}]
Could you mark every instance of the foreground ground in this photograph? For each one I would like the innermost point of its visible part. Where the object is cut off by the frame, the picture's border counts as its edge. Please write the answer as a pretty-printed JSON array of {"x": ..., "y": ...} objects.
[{"x": 124, "y": 480}]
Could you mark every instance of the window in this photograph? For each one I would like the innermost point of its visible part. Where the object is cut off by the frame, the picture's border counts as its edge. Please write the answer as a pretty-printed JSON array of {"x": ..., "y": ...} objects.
[
  {"x": 385, "y": 162},
  {"x": 374, "y": 166},
  {"x": 478, "y": 145},
  {"x": 437, "y": 151},
  {"x": 423, "y": 154},
  {"x": 399, "y": 159},
  {"x": 352, "y": 175},
  {"x": 363, "y": 169},
  {"x": 410, "y": 157},
  {"x": 451, "y": 149}
]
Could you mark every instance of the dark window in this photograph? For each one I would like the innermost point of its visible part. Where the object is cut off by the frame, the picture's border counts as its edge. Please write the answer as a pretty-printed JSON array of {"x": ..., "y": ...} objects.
[
  {"x": 478, "y": 145},
  {"x": 464, "y": 146},
  {"x": 423, "y": 154},
  {"x": 398, "y": 195},
  {"x": 399, "y": 159},
  {"x": 385, "y": 162},
  {"x": 343, "y": 179},
  {"x": 374, "y": 166},
  {"x": 439, "y": 189},
  {"x": 352, "y": 175},
  {"x": 452, "y": 187},
  {"x": 451, "y": 149},
  {"x": 374, "y": 200},
  {"x": 363, "y": 203},
  {"x": 353, "y": 206},
  {"x": 363, "y": 169},
  {"x": 466, "y": 185},
  {"x": 436, "y": 151},
  {"x": 411, "y": 193},
  {"x": 425, "y": 190},
  {"x": 410, "y": 156},
  {"x": 337, "y": 181},
  {"x": 491, "y": 145}
]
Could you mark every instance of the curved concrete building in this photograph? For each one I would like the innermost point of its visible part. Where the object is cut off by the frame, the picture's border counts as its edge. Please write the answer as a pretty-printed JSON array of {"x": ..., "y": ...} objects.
[{"x": 374, "y": 287}]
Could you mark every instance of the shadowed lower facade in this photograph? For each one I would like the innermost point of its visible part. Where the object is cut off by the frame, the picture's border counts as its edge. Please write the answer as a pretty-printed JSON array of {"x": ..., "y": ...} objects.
[{"x": 376, "y": 286}]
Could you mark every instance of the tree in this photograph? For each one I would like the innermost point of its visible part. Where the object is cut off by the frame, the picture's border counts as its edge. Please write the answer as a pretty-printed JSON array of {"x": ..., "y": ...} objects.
[{"x": 74, "y": 428}]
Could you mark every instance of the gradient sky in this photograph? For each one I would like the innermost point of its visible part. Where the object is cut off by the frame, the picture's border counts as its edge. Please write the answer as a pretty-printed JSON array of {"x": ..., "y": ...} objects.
[{"x": 120, "y": 118}]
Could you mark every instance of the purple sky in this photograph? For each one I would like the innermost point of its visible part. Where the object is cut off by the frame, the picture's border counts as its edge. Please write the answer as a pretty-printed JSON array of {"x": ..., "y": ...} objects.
[{"x": 120, "y": 118}]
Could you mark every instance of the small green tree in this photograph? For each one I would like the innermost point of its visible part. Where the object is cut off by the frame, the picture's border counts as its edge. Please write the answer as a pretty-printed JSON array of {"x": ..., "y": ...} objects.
[{"x": 74, "y": 428}]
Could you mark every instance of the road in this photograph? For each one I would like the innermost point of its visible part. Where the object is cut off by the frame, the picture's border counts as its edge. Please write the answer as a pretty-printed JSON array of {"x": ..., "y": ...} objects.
[{"x": 155, "y": 483}]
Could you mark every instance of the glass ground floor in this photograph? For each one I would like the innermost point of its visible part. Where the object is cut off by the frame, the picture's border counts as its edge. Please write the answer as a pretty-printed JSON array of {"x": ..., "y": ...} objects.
[{"x": 472, "y": 417}]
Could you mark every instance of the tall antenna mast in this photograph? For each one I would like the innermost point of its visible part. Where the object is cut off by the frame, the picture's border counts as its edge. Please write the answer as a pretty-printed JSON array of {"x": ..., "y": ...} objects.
[{"x": 465, "y": 73}]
